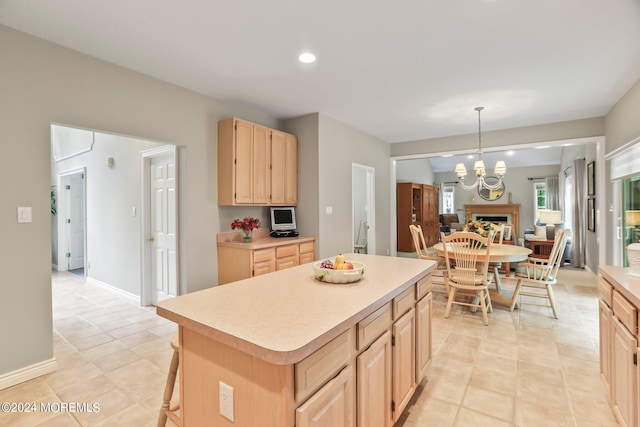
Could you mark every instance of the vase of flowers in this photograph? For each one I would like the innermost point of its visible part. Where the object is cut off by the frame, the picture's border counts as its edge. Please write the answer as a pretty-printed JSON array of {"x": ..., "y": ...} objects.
[
  {"x": 247, "y": 225},
  {"x": 483, "y": 228}
]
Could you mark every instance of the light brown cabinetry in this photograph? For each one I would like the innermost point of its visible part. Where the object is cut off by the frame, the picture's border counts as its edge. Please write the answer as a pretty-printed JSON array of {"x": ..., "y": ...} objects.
[
  {"x": 342, "y": 379},
  {"x": 423, "y": 336},
  {"x": 374, "y": 383},
  {"x": 619, "y": 348},
  {"x": 237, "y": 261},
  {"x": 416, "y": 204},
  {"x": 256, "y": 165},
  {"x": 333, "y": 405}
]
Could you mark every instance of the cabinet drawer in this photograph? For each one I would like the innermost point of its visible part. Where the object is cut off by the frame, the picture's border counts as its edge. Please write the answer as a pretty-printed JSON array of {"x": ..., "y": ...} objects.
[
  {"x": 307, "y": 247},
  {"x": 372, "y": 326},
  {"x": 286, "y": 251},
  {"x": 625, "y": 312},
  {"x": 263, "y": 268},
  {"x": 306, "y": 257},
  {"x": 423, "y": 286},
  {"x": 262, "y": 255},
  {"x": 605, "y": 290},
  {"x": 286, "y": 262},
  {"x": 321, "y": 366},
  {"x": 403, "y": 302}
]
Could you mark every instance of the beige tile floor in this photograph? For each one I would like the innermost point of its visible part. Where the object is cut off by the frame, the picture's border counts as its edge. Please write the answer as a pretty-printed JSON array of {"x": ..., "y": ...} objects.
[{"x": 524, "y": 369}]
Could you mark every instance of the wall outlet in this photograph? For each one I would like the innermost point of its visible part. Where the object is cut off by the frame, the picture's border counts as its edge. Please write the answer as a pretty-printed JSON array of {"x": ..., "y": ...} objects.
[{"x": 226, "y": 401}]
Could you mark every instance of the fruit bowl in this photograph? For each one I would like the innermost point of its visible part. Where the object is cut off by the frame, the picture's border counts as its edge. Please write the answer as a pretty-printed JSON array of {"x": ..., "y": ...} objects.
[{"x": 339, "y": 276}]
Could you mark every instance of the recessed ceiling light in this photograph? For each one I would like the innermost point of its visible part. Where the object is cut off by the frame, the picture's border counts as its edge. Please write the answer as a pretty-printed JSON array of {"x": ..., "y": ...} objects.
[
  {"x": 470, "y": 156},
  {"x": 447, "y": 155},
  {"x": 540, "y": 147},
  {"x": 307, "y": 58},
  {"x": 510, "y": 153}
]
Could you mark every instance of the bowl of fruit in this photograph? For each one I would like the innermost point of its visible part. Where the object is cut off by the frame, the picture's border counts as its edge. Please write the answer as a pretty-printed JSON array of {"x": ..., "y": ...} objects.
[{"x": 338, "y": 270}]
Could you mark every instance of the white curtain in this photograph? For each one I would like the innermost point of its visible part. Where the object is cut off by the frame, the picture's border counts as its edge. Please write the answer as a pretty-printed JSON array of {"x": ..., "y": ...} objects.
[
  {"x": 553, "y": 193},
  {"x": 578, "y": 233}
]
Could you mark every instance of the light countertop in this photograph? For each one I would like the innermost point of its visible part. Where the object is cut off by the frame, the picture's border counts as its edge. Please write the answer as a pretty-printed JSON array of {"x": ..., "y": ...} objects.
[
  {"x": 628, "y": 286},
  {"x": 284, "y": 316},
  {"x": 261, "y": 240}
]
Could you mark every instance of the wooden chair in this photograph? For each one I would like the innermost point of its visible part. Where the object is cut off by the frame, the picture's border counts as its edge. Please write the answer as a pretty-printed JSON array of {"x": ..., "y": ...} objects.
[
  {"x": 165, "y": 410},
  {"x": 540, "y": 274},
  {"x": 469, "y": 277},
  {"x": 441, "y": 267},
  {"x": 497, "y": 236}
]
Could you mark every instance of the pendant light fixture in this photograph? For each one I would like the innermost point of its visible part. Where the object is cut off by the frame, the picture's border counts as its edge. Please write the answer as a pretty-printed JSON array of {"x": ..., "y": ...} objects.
[{"x": 500, "y": 169}]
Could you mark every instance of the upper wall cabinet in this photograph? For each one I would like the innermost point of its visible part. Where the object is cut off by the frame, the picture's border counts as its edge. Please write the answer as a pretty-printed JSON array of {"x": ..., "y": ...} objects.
[{"x": 256, "y": 165}]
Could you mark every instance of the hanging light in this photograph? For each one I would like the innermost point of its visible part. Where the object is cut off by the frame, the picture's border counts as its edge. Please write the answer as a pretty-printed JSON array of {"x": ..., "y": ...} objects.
[{"x": 500, "y": 170}]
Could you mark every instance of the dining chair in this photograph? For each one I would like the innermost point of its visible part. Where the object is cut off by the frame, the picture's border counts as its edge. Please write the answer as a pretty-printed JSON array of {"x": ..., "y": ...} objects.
[
  {"x": 470, "y": 274},
  {"x": 497, "y": 236},
  {"x": 538, "y": 275},
  {"x": 423, "y": 253}
]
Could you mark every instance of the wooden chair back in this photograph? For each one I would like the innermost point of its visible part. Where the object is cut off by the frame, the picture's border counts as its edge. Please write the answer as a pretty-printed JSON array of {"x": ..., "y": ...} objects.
[{"x": 462, "y": 251}]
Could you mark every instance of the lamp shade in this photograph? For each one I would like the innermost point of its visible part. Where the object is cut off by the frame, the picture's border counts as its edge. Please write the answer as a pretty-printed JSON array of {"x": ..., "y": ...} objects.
[
  {"x": 632, "y": 218},
  {"x": 501, "y": 168},
  {"x": 460, "y": 169},
  {"x": 549, "y": 217}
]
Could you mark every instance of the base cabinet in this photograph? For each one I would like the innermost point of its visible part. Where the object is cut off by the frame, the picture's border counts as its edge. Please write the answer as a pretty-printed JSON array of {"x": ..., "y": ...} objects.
[
  {"x": 624, "y": 388},
  {"x": 618, "y": 313},
  {"x": 404, "y": 357},
  {"x": 332, "y": 405},
  {"x": 374, "y": 384},
  {"x": 423, "y": 336}
]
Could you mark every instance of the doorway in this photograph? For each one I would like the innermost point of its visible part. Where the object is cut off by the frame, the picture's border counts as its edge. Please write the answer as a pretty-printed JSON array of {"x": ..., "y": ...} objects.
[
  {"x": 71, "y": 214},
  {"x": 363, "y": 208}
]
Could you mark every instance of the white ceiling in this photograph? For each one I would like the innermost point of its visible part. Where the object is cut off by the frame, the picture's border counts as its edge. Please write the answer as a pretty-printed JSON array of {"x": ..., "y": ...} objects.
[{"x": 398, "y": 70}]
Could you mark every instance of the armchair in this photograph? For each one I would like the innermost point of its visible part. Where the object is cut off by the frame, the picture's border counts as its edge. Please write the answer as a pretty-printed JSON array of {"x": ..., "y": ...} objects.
[{"x": 450, "y": 222}]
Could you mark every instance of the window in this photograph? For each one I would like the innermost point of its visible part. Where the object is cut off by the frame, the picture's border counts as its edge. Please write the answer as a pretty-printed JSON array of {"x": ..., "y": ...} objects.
[
  {"x": 448, "y": 198},
  {"x": 540, "y": 195}
]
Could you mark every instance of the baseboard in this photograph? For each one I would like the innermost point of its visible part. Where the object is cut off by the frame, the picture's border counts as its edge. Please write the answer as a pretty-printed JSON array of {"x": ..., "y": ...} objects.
[
  {"x": 126, "y": 294},
  {"x": 27, "y": 373}
]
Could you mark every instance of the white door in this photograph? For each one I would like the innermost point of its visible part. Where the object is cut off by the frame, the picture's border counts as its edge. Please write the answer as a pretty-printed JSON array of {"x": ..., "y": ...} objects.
[
  {"x": 75, "y": 220},
  {"x": 163, "y": 228},
  {"x": 363, "y": 208}
]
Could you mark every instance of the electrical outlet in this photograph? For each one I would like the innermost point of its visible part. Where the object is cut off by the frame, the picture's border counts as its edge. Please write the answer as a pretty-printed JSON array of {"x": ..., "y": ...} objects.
[{"x": 226, "y": 401}]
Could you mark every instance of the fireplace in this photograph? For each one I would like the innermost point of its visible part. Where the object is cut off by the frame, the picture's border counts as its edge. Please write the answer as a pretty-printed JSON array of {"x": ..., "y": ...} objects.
[{"x": 493, "y": 212}]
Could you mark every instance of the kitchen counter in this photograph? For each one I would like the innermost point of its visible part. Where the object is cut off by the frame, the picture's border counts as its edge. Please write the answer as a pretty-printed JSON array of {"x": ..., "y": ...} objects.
[
  {"x": 252, "y": 314},
  {"x": 628, "y": 286},
  {"x": 291, "y": 350}
]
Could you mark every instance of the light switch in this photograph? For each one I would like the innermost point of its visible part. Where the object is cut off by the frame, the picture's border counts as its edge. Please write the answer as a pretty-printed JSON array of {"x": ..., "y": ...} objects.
[
  {"x": 24, "y": 215},
  {"x": 329, "y": 210}
]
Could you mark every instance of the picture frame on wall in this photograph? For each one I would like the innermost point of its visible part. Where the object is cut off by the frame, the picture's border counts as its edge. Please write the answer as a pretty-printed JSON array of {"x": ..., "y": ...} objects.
[
  {"x": 591, "y": 179},
  {"x": 591, "y": 214}
]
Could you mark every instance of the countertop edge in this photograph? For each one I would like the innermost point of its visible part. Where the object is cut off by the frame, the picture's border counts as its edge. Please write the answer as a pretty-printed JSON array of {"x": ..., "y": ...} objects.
[
  {"x": 619, "y": 278},
  {"x": 279, "y": 357}
]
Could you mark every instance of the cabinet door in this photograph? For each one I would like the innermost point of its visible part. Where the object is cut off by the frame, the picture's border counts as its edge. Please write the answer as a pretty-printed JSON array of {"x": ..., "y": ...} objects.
[
  {"x": 291, "y": 170},
  {"x": 423, "y": 336},
  {"x": 286, "y": 262},
  {"x": 284, "y": 168},
  {"x": 374, "y": 384},
  {"x": 277, "y": 167},
  {"x": 623, "y": 373},
  {"x": 605, "y": 344},
  {"x": 261, "y": 165},
  {"x": 243, "y": 164},
  {"x": 332, "y": 405},
  {"x": 404, "y": 362},
  {"x": 306, "y": 257}
]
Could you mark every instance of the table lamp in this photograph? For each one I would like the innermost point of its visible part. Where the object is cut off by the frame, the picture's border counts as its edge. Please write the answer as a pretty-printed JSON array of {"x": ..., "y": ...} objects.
[
  {"x": 551, "y": 218},
  {"x": 632, "y": 218}
]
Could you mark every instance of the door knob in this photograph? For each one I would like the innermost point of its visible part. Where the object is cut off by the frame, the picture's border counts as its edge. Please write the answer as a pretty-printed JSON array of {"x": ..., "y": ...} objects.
[{"x": 151, "y": 239}]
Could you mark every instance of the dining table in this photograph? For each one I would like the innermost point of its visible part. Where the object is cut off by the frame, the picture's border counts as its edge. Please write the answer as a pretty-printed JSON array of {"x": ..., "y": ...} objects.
[{"x": 497, "y": 253}]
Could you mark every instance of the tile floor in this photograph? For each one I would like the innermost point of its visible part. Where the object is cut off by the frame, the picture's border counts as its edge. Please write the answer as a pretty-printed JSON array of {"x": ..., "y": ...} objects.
[{"x": 524, "y": 369}]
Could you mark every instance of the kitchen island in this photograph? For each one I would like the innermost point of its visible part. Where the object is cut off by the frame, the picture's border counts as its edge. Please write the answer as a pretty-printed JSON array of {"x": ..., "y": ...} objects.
[{"x": 295, "y": 350}]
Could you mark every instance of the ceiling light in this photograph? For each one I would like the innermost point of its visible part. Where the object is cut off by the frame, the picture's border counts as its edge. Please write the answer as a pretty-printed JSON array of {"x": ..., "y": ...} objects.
[
  {"x": 500, "y": 169},
  {"x": 307, "y": 58},
  {"x": 447, "y": 155}
]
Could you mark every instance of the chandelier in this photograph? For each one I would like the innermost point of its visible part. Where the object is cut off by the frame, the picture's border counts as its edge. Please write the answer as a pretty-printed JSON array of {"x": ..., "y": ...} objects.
[{"x": 500, "y": 169}]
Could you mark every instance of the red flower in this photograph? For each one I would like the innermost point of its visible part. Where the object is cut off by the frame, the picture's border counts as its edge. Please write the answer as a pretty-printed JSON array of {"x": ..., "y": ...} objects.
[{"x": 247, "y": 224}]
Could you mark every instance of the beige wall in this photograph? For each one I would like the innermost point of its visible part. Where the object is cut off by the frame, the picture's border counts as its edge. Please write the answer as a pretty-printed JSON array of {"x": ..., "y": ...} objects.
[
  {"x": 42, "y": 83},
  {"x": 621, "y": 122}
]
